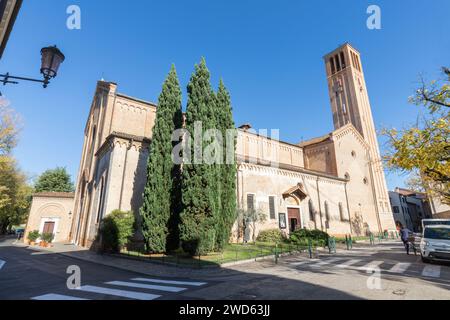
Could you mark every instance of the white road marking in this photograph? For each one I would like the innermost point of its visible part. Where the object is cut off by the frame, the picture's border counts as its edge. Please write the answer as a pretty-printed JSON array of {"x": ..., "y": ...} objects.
[
  {"x": 119, "y": 293},
  {"x": 400, "y": 267},
  {"x": 371, "y": 265},
  {"x": 295, "y": 264},
  {"x": 56, "y": 297},
  {"x": 187, "y": 283},
  {"x": 145, "y": 286},
  {"x": 348, "y": 263},
  {"x": 325, "y": 262},
  {"x": 2, "y": 263},
  {"x": 432, "y": 271}
]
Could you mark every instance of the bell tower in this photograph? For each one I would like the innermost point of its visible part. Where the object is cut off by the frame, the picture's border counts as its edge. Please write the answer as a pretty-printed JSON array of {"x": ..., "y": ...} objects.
[{"x": 350, "y": 104}]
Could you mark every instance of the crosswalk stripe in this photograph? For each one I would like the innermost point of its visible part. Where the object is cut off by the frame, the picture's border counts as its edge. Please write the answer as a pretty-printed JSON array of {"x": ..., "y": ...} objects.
[
  {"x": 325, "y": 262},
  {"x": 371, "y": 265},
  {"x": 348, "y": 263},
  {"x": 187, "y": 283},
  {"x": 119, "y": 293},
  {"x": 56, "y": 297},
  {"x": 145, "y": 286},
  {"x": 432, "y": 271},
  {"x": 400, "y": 267}
]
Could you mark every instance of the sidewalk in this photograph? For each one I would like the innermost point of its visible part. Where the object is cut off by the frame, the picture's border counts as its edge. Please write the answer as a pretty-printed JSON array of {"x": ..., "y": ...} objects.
[
  {"x": 148, "y": 268},
  {"x": 163, "y": 270}
]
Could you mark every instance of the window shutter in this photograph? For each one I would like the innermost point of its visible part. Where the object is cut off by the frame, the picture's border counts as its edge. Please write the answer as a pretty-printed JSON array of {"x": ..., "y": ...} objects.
[
  {"x": 250, "y": 202},
  {"x": 272, "y": 207}
]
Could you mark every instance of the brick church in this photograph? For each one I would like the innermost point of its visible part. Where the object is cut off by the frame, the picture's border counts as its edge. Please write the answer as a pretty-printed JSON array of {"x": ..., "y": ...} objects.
[{"x": 334, "y": 183}]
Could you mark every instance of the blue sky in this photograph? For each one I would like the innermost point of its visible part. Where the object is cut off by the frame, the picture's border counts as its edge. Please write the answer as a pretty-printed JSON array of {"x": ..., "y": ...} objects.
[{"x": 269, "y": 54}]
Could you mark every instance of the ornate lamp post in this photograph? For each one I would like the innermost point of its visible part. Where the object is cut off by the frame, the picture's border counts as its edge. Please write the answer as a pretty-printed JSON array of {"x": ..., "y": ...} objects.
[{"x": 51, "y": 59}]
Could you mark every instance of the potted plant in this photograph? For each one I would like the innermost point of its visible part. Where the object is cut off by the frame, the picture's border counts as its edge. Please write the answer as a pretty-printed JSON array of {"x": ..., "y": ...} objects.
[
  {"x": 46, "y": 238},
  {"x": 32, "y": 237}
]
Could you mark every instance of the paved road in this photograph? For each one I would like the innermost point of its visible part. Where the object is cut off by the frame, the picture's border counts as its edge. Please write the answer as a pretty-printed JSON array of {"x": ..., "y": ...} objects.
[
  {"x": 380, "y": 272},
  {"x": 28, "y": 274},
  {"x": 348, "y": 275}
]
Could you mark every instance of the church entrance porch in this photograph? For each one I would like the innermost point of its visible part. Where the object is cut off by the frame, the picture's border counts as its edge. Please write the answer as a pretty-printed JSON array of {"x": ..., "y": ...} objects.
[{"x": 294, "y": 219}]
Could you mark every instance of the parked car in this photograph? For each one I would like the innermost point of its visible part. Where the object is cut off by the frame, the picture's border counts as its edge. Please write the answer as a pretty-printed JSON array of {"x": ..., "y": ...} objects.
[{"x": 435, "y": 244}]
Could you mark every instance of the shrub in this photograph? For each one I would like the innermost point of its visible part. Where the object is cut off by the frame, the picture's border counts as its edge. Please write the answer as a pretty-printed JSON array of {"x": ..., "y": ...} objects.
[
  {"x": 272, "y": 235},
  {"x": 116, "y": 230},
  {"x": 302, "y": 236},
  {"x": 47, "y": 237},
  {"x": 33, "y": 235},
  {"x": 201, "y": 244}
]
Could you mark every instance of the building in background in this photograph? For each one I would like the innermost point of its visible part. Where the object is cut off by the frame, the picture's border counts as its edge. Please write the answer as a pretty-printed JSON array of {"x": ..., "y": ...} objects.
[
  {"x": 9, "y": 10},
  {"x": 439, "y": 209},
  {"x": 410, "y": 208},
  {"x": 51, "y": 212}
]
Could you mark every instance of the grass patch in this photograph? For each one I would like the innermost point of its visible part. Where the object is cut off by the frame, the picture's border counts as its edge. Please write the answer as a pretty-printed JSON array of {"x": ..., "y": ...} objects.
[{"x": 232, "y": 253}]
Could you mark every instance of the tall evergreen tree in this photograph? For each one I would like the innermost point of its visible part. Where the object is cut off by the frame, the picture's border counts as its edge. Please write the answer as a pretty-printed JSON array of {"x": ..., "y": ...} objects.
[
  {"x": 159, "y": 211},
  {"x": 199, "y": 183},
  {"x": 227, "y": 171}
]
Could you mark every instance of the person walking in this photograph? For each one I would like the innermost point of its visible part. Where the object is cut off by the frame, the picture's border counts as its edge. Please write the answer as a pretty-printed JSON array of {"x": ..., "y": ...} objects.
[{"x": 404, "y": 234}]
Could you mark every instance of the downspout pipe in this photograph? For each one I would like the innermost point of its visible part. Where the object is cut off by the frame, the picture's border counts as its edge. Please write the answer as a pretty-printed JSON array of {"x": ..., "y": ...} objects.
[{"x": 320, "y": 206}]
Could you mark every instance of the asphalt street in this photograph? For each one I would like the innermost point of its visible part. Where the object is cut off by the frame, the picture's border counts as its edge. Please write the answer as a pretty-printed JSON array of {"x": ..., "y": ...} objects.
[
  {"x": 28, "y": 274},
  {"x": 381, "y": 272}
]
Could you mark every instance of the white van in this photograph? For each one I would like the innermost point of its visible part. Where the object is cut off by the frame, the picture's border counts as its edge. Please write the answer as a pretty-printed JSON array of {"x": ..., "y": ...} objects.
[
  {"x": 431, "y": 222},
  {"x": 435, "y": 244}
]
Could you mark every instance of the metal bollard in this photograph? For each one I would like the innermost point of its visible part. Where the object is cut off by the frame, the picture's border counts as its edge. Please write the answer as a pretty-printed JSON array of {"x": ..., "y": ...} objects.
[
  {"x": 310, "y": 248},
  {"x": 276, "y": 253},
  {"x": 331, "y": 245}
]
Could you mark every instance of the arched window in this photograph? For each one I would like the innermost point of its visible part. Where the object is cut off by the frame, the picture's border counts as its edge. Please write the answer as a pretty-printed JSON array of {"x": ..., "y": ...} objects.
[
  {"x": 333, "y": 67},
  {"x": 338, "y": 63},
  {"x": 343, "y": 60},
  {"x": 312, "y": 215},
  {"x": 341, "y": 211},
  {"x": 94, "y": 132},
  {"x": 101, "y": 202}
]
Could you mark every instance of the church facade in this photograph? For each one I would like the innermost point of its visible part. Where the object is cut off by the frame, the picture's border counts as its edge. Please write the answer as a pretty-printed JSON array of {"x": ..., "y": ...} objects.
[{"x": 334, "y": 183}]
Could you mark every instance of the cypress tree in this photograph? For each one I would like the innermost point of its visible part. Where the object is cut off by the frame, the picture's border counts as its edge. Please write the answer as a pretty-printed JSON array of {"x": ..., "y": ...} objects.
[
  {"x": 159, "y": 211},
  {"x": 228, "y": 170},
  {"x": 199, "y": 183}
]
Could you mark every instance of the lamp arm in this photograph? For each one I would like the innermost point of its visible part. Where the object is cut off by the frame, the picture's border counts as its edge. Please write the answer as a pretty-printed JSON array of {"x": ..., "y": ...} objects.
[{"x": 6, "y": 78}]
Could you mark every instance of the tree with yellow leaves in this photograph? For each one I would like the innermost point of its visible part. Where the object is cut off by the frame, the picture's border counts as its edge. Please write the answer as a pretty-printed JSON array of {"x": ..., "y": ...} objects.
[
  {"x": 425, "y": 147},
  {"x": 15, "y": 193}
]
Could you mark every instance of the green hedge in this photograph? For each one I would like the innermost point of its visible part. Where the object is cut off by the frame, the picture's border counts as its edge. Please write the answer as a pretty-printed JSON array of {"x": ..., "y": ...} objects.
[
  {"x": 116, "y": 230},
  {"x": 272, "y": 235},
  {"x": 202, "y": 242},
  {"x": 302, "y": 236}
]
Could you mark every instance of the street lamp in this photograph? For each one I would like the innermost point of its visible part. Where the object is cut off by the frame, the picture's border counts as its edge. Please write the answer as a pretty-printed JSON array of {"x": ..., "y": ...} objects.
[{"x": 51, "y": 59}]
